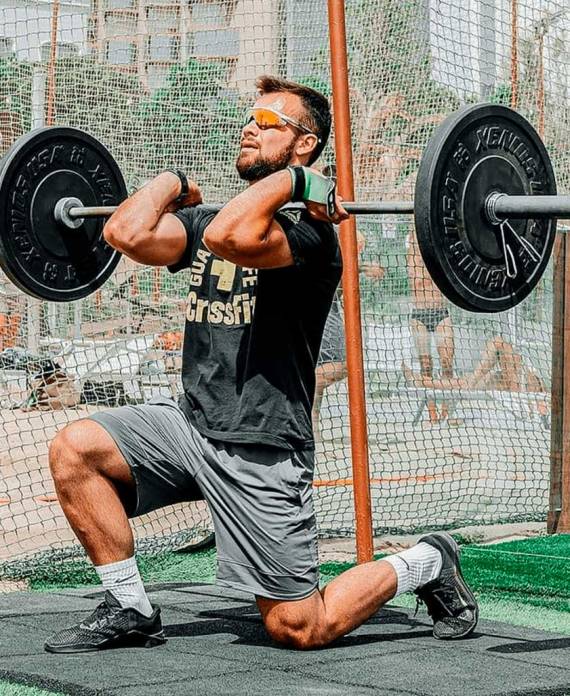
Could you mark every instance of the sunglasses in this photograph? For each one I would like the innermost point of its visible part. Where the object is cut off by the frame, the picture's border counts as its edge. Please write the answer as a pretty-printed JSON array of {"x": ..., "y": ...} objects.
[{"x": 269, "y": 118}]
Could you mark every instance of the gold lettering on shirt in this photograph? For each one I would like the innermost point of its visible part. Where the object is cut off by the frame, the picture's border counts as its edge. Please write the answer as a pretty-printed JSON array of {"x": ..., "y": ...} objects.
[
  {"x": 249, "y": 277},
  {"x": 191, "y": 308},
  {"x": 226, "y": 272},
  {"x": 198, "y": 267},
  {"x": 235, "y": 313}
]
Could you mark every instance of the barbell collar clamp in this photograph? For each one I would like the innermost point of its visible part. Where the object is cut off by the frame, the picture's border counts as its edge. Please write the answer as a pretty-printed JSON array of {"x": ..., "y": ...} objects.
[{"x": 62, "y": 212}]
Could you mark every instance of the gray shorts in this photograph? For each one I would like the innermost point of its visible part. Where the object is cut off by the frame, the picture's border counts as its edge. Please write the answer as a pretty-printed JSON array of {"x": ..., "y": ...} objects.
[{"x": 260, "y": 497}]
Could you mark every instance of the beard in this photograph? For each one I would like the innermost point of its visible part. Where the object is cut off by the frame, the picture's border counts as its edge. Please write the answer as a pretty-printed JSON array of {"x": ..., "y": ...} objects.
[{"x": 260, "y": 167}]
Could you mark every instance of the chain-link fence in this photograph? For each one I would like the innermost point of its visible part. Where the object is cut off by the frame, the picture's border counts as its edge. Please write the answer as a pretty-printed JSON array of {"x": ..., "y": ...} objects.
[{"x": 458, "y": 404}]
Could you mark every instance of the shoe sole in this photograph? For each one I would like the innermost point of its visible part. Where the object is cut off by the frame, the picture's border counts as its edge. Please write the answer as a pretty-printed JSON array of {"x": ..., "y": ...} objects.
[
  {"x": 133, "y": 639},
  {"x": 447, "y": 538}
]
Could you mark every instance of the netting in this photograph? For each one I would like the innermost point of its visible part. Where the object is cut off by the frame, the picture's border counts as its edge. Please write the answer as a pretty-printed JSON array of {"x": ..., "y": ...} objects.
[{"x": 458, "y": 404}]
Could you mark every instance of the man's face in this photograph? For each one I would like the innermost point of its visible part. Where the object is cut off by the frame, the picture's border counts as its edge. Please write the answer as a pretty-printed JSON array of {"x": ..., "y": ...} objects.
[{"x": 265, "y": 151}]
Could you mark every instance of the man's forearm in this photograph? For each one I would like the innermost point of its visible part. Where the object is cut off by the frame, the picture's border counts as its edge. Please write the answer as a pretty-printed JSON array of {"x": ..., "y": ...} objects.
[
  {"x": 249, "y": 216},
  {"x": 141, "y": 212}
]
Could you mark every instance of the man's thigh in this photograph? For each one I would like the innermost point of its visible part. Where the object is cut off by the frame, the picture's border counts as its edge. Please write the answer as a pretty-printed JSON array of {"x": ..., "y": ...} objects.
[
  {"x": 161, "y": 448},
  {"x": 421, "y": 337},
  {"x": 261, "y": 503}
]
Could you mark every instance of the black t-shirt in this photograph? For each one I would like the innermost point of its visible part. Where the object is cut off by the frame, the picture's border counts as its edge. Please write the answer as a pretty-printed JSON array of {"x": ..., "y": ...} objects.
[{"x": 252, "y": 337}]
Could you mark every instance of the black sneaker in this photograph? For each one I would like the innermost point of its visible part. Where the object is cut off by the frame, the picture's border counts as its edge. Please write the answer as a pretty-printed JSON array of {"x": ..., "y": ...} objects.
[
  {"x": 109, "y": 626},
  {"x": 448, "y": 599}
]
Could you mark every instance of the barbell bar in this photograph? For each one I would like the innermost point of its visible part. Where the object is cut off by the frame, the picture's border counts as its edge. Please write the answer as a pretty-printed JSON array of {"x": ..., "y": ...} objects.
[
  {"x": 498, "y": 206},
  {"x": 485, "y": 206}
]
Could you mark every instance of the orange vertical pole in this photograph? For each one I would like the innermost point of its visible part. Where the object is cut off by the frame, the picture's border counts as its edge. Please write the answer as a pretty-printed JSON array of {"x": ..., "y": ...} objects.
[
  {"x": 350, "y": 285},
  {"x": 540, "y": 94},
  {"x": 558, "y": 520},
  {"x": 514, "y": 55},
  {"x": 51, "y": 65}
]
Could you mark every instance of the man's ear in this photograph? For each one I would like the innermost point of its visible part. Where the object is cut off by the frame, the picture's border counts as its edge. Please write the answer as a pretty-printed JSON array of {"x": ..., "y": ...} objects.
[{"x": 306, "y": 144}]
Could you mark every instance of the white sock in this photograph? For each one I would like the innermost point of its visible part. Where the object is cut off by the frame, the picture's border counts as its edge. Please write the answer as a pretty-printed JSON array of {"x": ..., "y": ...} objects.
[
  {"x": 124, "y": 582},
  {"x": 415, "y": 567}
]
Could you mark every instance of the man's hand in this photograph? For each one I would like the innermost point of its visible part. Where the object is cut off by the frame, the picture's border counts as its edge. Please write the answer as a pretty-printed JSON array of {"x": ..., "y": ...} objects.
[
  {"x": 318, "y": 211},
  {"x": 142, "y": 228},
  {"x": 192, "y": 198}
]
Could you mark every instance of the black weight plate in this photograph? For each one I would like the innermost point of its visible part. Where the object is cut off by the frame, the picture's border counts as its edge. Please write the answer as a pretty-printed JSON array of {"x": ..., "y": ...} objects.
[
  {"x": 42, "y": 257},
  {"x": 479, "y": 150}
]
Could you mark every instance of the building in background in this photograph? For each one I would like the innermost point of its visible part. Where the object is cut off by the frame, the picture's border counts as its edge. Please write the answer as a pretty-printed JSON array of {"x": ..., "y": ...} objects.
[
  {"x": 25, "y": 28},
  {"x": 149, "y": 36}
]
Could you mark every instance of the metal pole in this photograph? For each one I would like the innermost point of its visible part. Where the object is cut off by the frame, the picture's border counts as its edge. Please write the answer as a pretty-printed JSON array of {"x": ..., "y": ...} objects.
[
  {"x": 498, "y": 206},
  {"x": 514, "y": 55},
  {"x": 487, "y": 49},
  {"x": 558, "y": 520},
  {"x": 34, "y": 306},
  {"x": 51, "y": 65},
  {"x": 367, "y": 208},
  {"x": 350, "y": 285}
]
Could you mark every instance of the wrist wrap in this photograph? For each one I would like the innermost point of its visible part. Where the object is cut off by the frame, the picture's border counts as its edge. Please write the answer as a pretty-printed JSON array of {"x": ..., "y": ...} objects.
[
  {"x": 308, "y": 185},
  {"x": 185, "y": 188}
]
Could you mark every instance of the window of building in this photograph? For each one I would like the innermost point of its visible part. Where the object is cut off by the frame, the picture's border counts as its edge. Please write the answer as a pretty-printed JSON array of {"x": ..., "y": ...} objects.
[
  {"x": 120, "y": 24},
  {"x": 119, "y": 4},
  {"x": 121, "y": 52},
  {"x": 163, "y": 47},
  {"x": 6, "y": 46},
  {"x": 204, "y": 12},
  {"x": 63, "y": 49},
  {"x": 163, "y": 19},
  {"x": 210, "y": 34}
]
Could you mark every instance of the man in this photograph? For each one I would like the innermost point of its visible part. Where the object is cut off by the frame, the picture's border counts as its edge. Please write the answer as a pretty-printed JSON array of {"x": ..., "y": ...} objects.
[
  {"x": 261, "y": 285},
  {"x": 499, "y": 368},
  {"x": 429, "y": 320}
]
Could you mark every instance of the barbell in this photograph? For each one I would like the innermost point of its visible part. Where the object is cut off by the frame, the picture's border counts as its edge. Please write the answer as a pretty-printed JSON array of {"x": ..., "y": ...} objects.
[{"x": 485, "y": 207}]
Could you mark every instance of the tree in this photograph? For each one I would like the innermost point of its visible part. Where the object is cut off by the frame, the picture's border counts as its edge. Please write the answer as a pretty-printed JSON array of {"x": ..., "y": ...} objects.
[
  {"x": 193, "y": 123},
  {"x": 103, "y": 101},
  {"x": 16, "y": 95}
]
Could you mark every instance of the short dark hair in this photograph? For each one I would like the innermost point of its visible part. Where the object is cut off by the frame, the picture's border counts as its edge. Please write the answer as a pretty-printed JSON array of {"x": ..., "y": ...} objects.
[{"x": 315, "y": 104}]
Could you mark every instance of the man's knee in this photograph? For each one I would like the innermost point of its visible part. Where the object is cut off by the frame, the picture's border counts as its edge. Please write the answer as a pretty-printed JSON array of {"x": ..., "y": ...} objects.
[
  {"x": 294, "y": 629},
  {"x": 71, "y": 452}
]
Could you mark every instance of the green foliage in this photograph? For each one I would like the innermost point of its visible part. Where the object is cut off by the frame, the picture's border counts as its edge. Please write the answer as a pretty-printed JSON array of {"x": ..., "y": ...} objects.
[
  {"x": 389, "y": 54},
  {"x": 101, "y": 100},
  {"x": 502, "y": 94},
  {"x": 16, "y": 90},
  {"x": 192, "y": 122}
]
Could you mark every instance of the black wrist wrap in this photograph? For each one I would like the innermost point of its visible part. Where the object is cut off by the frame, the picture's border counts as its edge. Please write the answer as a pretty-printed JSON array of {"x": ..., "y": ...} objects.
[
  {"x": 184, "y": 185},
  {"x": 298, "y": 179}
]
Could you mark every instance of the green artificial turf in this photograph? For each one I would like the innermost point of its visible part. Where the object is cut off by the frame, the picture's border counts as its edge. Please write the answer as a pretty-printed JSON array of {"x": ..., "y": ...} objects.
[
  {"x": 523, "y": 582},
  {"x": 164, "y": 567}
]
